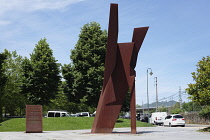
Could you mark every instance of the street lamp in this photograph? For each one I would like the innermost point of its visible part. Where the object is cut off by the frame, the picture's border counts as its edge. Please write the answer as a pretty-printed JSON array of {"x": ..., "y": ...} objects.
[
  {"x": 156, "y": 95},
  {"x": 147, "y": 91}
]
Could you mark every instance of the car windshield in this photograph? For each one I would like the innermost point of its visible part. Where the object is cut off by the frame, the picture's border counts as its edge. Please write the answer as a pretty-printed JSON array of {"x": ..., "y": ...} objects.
[{"x": 178, "y": 116}]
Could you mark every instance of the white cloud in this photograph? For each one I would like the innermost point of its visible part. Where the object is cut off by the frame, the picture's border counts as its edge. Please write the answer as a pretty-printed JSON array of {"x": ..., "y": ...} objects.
[{"x": 33, "y": 5}]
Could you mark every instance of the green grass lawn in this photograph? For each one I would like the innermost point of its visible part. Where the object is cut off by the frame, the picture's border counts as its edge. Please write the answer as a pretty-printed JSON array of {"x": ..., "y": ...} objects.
[{"x": 63, "y": 123}]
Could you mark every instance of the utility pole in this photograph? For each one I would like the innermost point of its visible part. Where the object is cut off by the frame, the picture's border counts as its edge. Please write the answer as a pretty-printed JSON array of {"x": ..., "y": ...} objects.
[
  {"x": 156, "y": 94},
  {"x": 148, "y": 92},
  {"x": 180, "y": 97}
]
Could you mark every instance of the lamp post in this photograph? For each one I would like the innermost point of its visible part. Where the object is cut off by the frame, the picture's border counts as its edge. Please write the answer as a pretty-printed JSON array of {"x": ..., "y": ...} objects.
[
  {"x": 156, "y": 95},
  {"x": 147, "y": 91}
]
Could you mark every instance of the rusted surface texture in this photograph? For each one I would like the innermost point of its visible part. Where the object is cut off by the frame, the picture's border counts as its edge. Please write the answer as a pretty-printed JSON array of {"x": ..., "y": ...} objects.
[
  {"x": 138, "y": 37},
  {"x": 33, "y": 119},
  {"x": 111, "y": 47},
  {"x": 119, "y": 76}
]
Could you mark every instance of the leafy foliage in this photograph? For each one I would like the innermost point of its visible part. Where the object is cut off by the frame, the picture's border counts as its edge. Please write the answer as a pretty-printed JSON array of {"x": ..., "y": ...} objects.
[
  {"x": 42, "y": 74},
  {"x": 126, "y": 104},
  {"x": 176, "y": 111},
  {"x": 191, "y": 107},
  {"x": 85, "y": 75},
  {"x": 162, "y": 109},
  {"x": 2, "y": 81},
  {"x": 13, "y": 100},
  {"x": 2, "y": 74},
  {"x": 200, "y": 90},
  {"x": 205, "y": 112},
  {"x": 60, "y": 102}
]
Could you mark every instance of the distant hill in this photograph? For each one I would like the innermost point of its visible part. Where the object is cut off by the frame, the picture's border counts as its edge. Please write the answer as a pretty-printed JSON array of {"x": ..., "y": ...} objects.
[{"x": 161, "y": 104}]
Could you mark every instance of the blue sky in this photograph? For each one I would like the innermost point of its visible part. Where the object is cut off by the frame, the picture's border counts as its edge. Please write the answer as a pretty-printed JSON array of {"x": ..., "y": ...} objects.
[{"x": 177, "y": 39}]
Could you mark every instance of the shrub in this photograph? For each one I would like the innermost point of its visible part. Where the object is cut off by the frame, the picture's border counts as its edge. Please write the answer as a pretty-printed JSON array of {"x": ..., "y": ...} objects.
[{"x": 205, "y": 112}]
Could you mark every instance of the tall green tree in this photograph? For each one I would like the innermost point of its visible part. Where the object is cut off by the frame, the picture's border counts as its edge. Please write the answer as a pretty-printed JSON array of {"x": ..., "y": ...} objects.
[
  {"x": 2, "y": 82},
  {"x": 200, "y": 91},
  {"x": 13, "y": 100},
  {"x": 85, "y": 75},
  {"x": 42, "y": 74}
]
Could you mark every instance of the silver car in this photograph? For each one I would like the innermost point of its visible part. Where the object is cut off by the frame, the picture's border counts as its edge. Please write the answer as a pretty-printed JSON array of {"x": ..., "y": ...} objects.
[{"x": 174, "y": 120}]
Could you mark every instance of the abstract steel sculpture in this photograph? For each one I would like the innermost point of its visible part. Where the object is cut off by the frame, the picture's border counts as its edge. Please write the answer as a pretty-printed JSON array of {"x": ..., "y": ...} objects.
[{"x": 119, "y": 76}]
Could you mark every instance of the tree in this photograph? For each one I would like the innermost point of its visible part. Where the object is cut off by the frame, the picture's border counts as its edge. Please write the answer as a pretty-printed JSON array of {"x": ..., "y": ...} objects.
[
  {"x": 41, "y": 74},
  {"x": 163, "y": 109},
  {"x": 2, "y": 82},
  {"x": 138, "y": 106},
  {"x": 61, "y": 100},
  {"x": 175, "y": 109},
  {"x": 67, "y": 73},
  {"x": 200, "y": 90},
  {"x": 85, "y": 75},
  {"x": 13, "y": 100},
  {"x": 191, "y": 107},
  {"x": 126, "y": 104}
]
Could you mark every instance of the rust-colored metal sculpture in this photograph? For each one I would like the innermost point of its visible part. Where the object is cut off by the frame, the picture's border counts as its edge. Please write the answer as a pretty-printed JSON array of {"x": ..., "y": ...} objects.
[{"x": 119, "y": 76}]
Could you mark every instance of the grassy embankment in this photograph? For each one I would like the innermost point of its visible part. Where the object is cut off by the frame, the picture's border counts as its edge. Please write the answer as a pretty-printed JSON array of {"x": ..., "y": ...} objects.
[
  {"x": 64, "y": 123},
  {"x": 205, "y": 129}
]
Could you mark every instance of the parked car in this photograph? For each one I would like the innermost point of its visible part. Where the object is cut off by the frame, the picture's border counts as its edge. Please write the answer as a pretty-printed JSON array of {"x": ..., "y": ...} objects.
[
  {"x": 142, "y": 117},
  {"x": 174, "y": 120},
  {"x": 157, "y": 118},
  {"x": 94, "y": 114},
  {"x": 84, "y": 114},
  {"x": 74, "y": 115},
  {"x": 58, "y": 114}
]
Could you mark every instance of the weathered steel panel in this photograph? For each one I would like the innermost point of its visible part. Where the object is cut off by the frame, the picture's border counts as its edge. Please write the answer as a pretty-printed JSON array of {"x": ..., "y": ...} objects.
[{"x": 119, "y": 76}]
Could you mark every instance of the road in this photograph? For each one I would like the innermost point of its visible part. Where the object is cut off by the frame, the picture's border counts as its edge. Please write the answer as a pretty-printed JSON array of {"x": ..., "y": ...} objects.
[{"x": 144, "y": 133}]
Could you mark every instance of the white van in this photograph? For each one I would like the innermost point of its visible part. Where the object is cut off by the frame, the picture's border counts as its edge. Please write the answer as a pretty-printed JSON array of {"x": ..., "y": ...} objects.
[
  {"x": 58, "y": 114},
  {"x": 157, "y": 118}
]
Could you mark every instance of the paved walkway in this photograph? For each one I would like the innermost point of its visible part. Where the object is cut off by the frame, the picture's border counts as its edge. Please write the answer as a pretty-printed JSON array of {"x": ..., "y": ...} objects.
[{"x": 144, "y": 133}]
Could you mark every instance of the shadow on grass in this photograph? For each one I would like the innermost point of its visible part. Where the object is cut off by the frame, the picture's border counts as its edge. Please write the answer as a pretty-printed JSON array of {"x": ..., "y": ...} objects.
[
  {"x": 119, "y": 121},
  {"x": 4, "y": 119}
]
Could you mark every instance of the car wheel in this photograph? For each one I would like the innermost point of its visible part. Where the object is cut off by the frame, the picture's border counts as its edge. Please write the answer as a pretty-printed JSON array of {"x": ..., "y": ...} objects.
[
  {"x": 183, "y": 125},
  {"x": 155, "y": 123}
]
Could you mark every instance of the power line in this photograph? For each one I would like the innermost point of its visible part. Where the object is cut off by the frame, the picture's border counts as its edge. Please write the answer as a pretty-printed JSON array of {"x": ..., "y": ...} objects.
[{"x": 177, "y": 95}]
